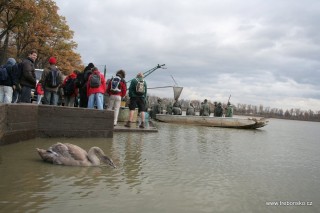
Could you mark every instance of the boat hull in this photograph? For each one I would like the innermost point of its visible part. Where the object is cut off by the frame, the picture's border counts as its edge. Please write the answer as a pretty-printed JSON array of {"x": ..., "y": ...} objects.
[{"x": 225, "y": 122}]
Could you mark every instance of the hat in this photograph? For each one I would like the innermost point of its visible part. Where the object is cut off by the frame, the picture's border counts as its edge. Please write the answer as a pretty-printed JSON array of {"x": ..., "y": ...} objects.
[
  {"x": 52, "y": 60},
  {"x": 91, "y": 65},
  {"x": 11, "y": 61}
]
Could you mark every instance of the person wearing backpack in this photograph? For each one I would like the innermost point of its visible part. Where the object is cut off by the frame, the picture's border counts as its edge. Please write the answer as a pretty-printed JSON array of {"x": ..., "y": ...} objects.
[
  {"x": 51, "y": 80},
  {"x": 81, "y": 83},
  {"x": 117, "y": 89},
  {"x": 8, "y": 80},
  {"x": 138, "y": 95},
  {"x": 70, "y": 90},
  {"x": 96, "y": 87},
  {"x": 28, "y": 77}
]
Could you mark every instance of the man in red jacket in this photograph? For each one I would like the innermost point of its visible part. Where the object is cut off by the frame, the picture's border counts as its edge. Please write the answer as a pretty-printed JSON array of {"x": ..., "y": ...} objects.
[{"x": 96, "y": 87}]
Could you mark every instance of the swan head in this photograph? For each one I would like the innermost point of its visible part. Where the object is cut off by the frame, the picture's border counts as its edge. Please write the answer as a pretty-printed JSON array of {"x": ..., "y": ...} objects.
[
  {"x": 108, "y": 161},
  {"x": 99, "y": 157}
]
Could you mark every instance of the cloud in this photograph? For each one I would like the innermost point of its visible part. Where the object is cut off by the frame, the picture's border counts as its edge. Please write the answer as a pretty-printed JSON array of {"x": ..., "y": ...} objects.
[{"x": 261, "y": 52}]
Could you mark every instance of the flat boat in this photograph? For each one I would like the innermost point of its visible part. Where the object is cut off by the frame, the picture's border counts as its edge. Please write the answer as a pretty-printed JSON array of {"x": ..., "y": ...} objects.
[{"x": 226, "y": 122}]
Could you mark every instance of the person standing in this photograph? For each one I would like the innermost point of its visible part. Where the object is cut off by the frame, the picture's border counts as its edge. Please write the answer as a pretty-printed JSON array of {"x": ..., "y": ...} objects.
[
  {"x": 28, "y": 77},
  {"x": 190, "y": 110},
  {"x": 218, "y": 111},
  {"x": 229, "y": 110},
  {"x": 205, "y": 108},
  {"x": 169, "y": 108},
  {"x": 81, "y": 83},
  {"x": 117, "y": 89},
  {"x": 96, "y": 87},
  {"x": 137, "y": 94},
  {"x": 176, "y": 109},
  {"x": 40, "y": 92},
  {"x": 51, "y": 80},
  {"x": 8, "y": 80},
  {"x": 70, "y": 90}
]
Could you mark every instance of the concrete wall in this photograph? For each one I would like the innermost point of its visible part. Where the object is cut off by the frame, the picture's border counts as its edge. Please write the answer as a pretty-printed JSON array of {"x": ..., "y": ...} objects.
[{"x": 20, "y": 122}]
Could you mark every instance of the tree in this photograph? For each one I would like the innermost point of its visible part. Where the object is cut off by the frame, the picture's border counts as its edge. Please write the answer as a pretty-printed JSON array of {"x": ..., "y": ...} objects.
[{"x": 21, "y": 30}]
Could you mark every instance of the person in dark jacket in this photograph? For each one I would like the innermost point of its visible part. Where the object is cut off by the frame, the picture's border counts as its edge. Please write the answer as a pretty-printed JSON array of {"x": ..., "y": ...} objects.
[
  {"x": 51, "y": 81},
  {"x": 70, "y": 91},
  {"x": 82, "y": 79},
  {"x": 205, "y": 108},
  {"x": 28, "y": 77},
  {"x": 137, "y": 99},
  {"x": 218, "y": 111},
  {"x": 8, "y": 85}
]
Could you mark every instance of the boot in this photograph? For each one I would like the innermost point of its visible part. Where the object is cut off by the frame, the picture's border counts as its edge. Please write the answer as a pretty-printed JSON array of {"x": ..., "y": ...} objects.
[
  {"x": 141, "y": 125},
  {"x": 128, "y": 124}
]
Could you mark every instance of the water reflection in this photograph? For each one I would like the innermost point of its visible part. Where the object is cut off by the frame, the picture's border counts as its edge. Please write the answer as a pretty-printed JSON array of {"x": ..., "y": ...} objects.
[
  {"x": 179, "y": 169},
  {"x": 133, "y": 160}
]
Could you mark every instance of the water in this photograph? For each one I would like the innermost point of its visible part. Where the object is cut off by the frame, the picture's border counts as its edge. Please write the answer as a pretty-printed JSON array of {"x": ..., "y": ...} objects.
[{"x": 180, "y": 169}]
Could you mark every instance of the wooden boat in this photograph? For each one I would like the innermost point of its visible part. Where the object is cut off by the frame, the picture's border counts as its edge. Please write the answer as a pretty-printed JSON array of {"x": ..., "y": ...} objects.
[{"x": 226, "y": 122}]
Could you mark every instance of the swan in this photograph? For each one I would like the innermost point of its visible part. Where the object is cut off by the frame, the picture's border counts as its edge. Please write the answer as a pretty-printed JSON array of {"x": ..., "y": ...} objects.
[{"x": 73, "y": 155}]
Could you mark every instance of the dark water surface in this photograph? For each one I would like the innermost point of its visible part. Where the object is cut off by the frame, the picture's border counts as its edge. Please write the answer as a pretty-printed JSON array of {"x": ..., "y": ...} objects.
[{"x": 180, "y": 169}]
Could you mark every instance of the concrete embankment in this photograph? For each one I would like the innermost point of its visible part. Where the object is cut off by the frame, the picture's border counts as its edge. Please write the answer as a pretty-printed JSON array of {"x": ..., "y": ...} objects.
[{"x": 20, "y": 122}]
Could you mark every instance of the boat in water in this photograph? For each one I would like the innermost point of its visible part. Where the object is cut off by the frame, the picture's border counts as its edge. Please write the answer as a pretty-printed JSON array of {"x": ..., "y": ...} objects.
[{"x": 225, "y": 122}]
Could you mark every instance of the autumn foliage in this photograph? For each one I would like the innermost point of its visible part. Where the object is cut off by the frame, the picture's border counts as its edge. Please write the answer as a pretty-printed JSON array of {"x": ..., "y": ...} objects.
[{"x": 36, "y": 24}]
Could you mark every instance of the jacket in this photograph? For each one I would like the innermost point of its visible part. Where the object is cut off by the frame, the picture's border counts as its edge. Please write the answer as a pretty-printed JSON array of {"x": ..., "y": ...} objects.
[
  {"x": 123, "y": 87},
  {"x": 39, "y": 89},
  {"x": 101, "y": 89},
  {"x": 12, "y": 69},
  {"x": 132, "y": 89},
  {"x": 44, "y": 76},
  {"x": 73, "y": 76},
  {"x": 28, "y": 76}
]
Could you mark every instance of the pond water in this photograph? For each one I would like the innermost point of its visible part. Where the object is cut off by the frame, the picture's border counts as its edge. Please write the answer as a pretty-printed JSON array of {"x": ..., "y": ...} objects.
[{"x": 179, "y": 169}]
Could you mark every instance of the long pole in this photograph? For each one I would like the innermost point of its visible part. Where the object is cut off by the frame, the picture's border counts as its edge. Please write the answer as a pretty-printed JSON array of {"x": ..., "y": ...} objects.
[
  {"x": 229, "y": 98},
  {"x": 151, "y": 71}
]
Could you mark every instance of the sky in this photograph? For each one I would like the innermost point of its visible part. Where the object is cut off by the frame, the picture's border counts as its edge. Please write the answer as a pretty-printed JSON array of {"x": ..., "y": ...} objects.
[{"x": 259, "y": 52}]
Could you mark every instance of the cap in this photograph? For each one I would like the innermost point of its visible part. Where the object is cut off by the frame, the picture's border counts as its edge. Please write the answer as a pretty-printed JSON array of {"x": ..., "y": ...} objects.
[{"x": 52, "y": 60}]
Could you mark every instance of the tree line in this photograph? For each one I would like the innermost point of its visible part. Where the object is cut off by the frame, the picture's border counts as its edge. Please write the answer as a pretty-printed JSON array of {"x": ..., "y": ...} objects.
[
  {"x": 36, "y": 24},
  {"x": 248, "y": 110}
]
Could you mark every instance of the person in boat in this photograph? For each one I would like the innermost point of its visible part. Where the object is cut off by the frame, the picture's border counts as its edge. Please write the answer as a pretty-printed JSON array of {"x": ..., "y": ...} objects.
[
  {"x": 229, "y": 110},
  {"x": 218, "y": 111},
  {"x": 176, "y": 109},
  {"x": 169, "y": 108},
  {"x": 201, "y": 110},
  {"x": 205, "y": 108},
  {"x": 190, "y": 110},
  {"x": 156, "y": 109}
]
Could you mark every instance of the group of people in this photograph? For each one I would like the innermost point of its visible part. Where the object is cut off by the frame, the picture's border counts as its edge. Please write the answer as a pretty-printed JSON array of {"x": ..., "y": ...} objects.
[
  {"x": 205, "y": 109},
  {"x": 18, "y": 79}
]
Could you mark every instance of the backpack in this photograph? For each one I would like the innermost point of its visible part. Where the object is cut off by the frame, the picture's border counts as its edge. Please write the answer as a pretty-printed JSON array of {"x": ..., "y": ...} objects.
[
  {"x": 115, "y": 84},
  {"x": 79, "y": 81},
  {"x": 3, "y": 73},
  {"x": 140, "y": 87},
  {"x": 68, "y": 88},
  {"x": 95, "y": 80},
  {"x": 52, "y": 79}
]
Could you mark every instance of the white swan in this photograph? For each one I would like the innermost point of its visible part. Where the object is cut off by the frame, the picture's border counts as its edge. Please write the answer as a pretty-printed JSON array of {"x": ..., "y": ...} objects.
[{"x": 73, "y": 155}]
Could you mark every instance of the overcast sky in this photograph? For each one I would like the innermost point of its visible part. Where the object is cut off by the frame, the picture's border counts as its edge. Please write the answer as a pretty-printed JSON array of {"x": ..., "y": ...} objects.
[{"x": 261, "y": 52}]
